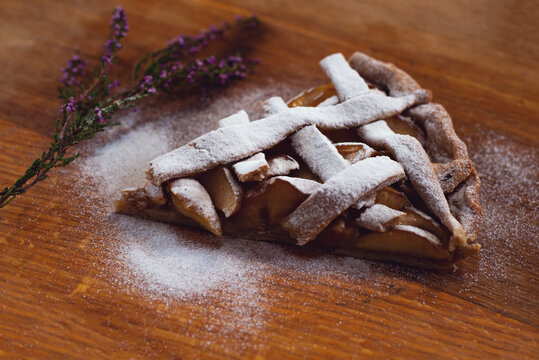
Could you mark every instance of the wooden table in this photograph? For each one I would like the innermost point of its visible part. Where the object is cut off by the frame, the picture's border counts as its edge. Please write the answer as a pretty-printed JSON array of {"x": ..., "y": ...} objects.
[{"x": 479, "y": 59}]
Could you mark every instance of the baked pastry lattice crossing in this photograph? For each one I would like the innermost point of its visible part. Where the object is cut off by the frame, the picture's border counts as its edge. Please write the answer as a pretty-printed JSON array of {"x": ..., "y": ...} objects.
[{"x": 365, "y": 166}]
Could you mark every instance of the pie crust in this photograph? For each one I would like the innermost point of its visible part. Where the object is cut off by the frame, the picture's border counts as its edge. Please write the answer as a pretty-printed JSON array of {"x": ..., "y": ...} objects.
[{"x": 365, "y": 166}]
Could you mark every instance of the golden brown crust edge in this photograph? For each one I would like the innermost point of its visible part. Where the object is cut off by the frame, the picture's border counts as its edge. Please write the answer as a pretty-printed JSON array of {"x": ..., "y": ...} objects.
[
  {"x": 443, "y": 145},
  {"x": 464, "y": 202},
  {"x": 433, "y": 117}
]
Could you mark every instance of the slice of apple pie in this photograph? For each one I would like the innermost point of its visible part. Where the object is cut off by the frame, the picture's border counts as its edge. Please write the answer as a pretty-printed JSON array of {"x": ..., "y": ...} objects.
[{"x": 364, "y": 166}]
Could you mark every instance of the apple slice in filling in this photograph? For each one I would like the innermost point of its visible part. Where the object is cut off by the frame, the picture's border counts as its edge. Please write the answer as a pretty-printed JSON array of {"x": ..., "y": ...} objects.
[
  {"x": 224, "y": 189},
  {"x": 404, "y": 240},
  {"x": 191, "y": 199}
]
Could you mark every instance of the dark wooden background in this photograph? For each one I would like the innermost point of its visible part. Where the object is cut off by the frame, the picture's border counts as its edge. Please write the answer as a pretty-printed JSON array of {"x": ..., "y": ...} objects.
[{"x": 478, "y": 57}]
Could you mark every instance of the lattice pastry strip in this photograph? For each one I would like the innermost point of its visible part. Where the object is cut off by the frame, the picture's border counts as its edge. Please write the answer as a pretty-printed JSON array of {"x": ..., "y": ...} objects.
[
  {"x": 232, "y": 143},
  {"x": 443, "y": 145},
  {"x": 411, "y": 155},
  {"x": 406, "y": 149},
  {"x": 338, "y": 193},
  {"x": 316, "y": 150}
]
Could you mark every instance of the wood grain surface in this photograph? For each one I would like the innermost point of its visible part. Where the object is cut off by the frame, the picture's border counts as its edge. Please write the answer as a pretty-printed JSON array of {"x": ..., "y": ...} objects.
[{"x": 480, "y": 61}]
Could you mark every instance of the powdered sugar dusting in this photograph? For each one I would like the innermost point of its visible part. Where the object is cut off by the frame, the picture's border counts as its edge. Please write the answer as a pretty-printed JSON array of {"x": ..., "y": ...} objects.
[
  {"x": 330, "y": 101},
  {"x": 410, "y": 153},
  {"x": 238, "y": 118},
  {"x": 339, "y": 193},
  {"x": 346, "y": 80},
  {"x": 320, "y": 155},
  {"x": 273, "y": 105},
  {"x": 191, "y": 198},
  {"x": 172, "y": 263},
  {"x": 281, "y": 165},
  {"x": 130, "y": 154},
  {"x": 509, "y": 195},
  {"x": 232, "y": 143},
  {"x": 305, "y": 186},
  {"x": 509, "y": 172},
  {"x": 178, "y": 269},
  {"x": 377, "y": 216},
  {"x": 168, "y": 264},
  {"x": 251, "y": 169}
]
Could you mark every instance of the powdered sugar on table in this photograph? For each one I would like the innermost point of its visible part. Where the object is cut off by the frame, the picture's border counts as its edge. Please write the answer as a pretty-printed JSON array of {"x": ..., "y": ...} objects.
[{"x": 169, "y": 263}]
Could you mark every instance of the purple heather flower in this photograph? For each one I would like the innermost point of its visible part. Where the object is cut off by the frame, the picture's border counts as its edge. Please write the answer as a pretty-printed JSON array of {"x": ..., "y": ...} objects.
[
  {"x": 163, "y": 74},
  {"x": 152, "y": 90},
  {"x": 233, "y": 58},
  {"x": 194, "y": 49},
  {"x": 146, "y": 82},
  {"x": 224, "y": 78},
  {"x": 108, "y": 50},
  {"x": 97, "y": 112},
  {"x": 74, "y": 69},
  {"x": 71, "y": 105},
  {"x": 114, "y": 84},
  {"x": 181, "y": 40},
  {"x": 107, "y": 59},
  {"x": 118, "y": 23}
]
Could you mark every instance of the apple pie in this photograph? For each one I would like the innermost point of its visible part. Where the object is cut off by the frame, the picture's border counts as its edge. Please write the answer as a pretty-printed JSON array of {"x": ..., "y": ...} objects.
[{"x": 365, "y": 166}]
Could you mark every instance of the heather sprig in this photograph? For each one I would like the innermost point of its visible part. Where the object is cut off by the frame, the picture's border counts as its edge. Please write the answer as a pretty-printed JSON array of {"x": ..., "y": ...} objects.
[
  {"x": 184, "y": 46},
  {"x": 91, "y": 100},
  {"x": 199, "y": 74},
  {"x": 120, "y": 27}
]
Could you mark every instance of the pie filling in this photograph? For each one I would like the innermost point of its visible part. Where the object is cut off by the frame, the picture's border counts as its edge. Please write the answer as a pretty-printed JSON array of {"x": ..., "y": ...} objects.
[{"x": 364, "y": 166}]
